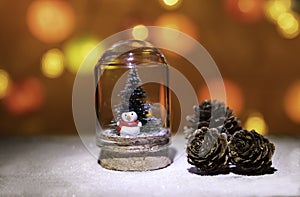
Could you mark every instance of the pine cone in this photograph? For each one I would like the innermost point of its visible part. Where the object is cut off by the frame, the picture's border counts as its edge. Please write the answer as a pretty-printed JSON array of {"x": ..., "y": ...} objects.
[
  {"x": 212, "y": 114},
  {"x": 251, "y": 153},
  {"x": 231, "y": 125},
  {"x": 188, "y": 131},
  {"x": 207, "y": 151}
]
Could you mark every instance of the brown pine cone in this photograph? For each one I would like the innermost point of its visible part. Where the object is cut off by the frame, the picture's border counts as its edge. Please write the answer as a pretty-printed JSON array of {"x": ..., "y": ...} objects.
[
  {"x": 251, "y": 153},
  {"x": 212, "y": 114},
  {"x": 196, "y": 124},
  {"x": 188, "y": 131},
  {"x": 232, "y": 124},
  {"x": 207, "y": 151}
]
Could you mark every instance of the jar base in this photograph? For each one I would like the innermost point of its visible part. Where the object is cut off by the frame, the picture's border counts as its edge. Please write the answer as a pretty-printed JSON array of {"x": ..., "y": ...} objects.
[{"x": 134, "y": 161}]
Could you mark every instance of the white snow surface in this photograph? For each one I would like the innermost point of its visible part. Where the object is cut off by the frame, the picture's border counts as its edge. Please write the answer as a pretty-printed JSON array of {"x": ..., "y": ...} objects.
[{"x": 61, "y": 166}]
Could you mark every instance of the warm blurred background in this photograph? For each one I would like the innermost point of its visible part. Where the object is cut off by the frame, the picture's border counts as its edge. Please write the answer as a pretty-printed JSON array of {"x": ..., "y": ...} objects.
[{"x": 255, "y": 43}]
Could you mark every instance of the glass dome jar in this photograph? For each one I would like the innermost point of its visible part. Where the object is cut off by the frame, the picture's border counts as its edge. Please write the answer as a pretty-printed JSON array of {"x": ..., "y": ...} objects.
[{"x": 132, "y": 106}]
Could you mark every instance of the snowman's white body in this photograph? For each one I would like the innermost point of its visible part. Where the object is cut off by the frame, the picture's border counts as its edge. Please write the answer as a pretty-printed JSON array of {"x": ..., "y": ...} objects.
[
  {"x": 129, "y": 131},
  {"x": 129, "y": 125}
]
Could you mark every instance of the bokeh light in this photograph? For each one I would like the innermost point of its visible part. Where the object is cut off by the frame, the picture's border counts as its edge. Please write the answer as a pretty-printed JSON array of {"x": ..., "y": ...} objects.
[
  {"x": 4, "y": 83},
  {"x": 178, "y": 22},
  {"x": 25, "y": 96},
  {"x": 246, "y": 5},
  {"x": 52, "y": 64},
  {"x": 274, "y": 8},
  {"x": 245, "y": 10},
  {"x": 234, "y": 94},
  {"x": 288, "y": 25},
  {"x": 79, "y": 48},
  {"x": 170, "y": 4},
  {"x": 292, "y": 101},
  {"x": 140, "y": 32},
  {"x": 50, "y": 20},
  {"x": 257, "y": 122}
]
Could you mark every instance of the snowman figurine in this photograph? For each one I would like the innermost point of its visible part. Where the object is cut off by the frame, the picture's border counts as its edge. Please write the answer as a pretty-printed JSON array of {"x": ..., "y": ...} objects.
[{"x": 129, "y": 124}]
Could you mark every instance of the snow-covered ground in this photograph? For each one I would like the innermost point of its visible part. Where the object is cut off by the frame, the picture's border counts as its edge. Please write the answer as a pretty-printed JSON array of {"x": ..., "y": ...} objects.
[{"x": 62, "y": 166}]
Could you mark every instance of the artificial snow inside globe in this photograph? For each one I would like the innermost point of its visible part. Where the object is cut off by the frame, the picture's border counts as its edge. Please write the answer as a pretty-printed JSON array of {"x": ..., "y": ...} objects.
[{"x": 132, "y": 106}]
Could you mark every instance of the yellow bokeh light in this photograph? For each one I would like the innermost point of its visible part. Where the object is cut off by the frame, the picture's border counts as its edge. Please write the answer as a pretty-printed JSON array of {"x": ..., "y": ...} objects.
[
  {"x": 140, "y": 32},
  {"x": 274, "y": 8},
  {"x": 292, "y": 102},
  {"x": 170, "y": 4},
  {"x": 50, "y": 20},
  {"x": 53, "y": 63},
  {"x": 80, "y": 50},
  {"x": 256, "y": 121},
  {"x": 288, "y": 25},
  {"x": 4, "y": 83}
]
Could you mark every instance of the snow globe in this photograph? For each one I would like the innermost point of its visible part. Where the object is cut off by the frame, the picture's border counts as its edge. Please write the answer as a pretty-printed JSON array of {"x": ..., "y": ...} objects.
[{"x": 132, "y": 107}]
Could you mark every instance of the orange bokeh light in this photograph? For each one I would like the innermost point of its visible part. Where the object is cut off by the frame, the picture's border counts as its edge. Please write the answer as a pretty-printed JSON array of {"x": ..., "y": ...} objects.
[
  {"x": 179, "y": 22},
  {"x": 234, "y": 94},
  {"x": 245, "y": 10},
  {"x": 292, "y": 102},
  {"x": 50, "y": 21},
  {"x": 25, "y": 96}
]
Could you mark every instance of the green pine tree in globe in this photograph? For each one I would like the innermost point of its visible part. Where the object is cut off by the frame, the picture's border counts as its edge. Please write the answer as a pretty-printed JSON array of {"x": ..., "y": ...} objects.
[
  {"x": 133, "y": 98},
  {"x": 138, "y": 105},
  {"x": 133, "y": 81}
]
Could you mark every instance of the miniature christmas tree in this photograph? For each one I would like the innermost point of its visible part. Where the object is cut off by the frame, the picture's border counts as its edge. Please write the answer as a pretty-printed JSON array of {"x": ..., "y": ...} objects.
[
  {"x": 137, "y": 103},
  {"x": 133, "y": 98}
]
